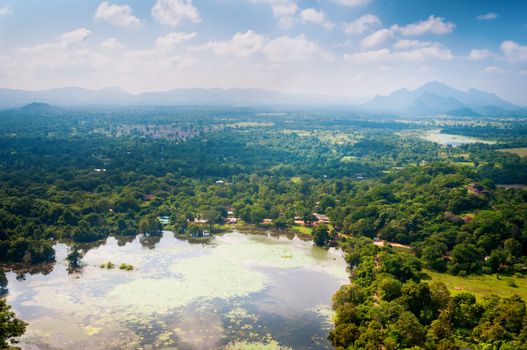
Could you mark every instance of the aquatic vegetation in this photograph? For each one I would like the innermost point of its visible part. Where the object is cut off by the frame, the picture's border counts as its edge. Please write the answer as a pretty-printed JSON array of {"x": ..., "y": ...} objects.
[
  {"x": 125, "y": 266},
  {"x": 201, "y": 278},
  {"x": 264, "y": 345},
  {"x": 107, "y": 265},
  {"x": 91, "y": 330}
]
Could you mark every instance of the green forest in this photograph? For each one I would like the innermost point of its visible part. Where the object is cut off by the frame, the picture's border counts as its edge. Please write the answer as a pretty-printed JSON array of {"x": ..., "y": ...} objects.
[{"x": 81, "y": 175}]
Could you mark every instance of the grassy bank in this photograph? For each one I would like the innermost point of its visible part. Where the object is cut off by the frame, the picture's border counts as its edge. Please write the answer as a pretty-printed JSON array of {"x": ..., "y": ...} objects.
[{"x": 504, "y": 286}]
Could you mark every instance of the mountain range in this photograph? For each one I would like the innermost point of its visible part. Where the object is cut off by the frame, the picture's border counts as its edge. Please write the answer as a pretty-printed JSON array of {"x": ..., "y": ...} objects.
[
  {"x": 73, "y": 96},
  {"x": 435, "y": 98},
  {"x": 432, "y": 98}
]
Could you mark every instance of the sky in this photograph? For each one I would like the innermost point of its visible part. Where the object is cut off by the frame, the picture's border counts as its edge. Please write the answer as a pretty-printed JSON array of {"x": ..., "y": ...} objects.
[{"x": 352, "y": 48}]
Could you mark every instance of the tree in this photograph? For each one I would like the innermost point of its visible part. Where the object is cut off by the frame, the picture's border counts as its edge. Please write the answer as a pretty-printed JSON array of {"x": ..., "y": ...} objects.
[
  {"x": 321, "y": 235},
  {"x": 389, "y": 287},
  {"x": 74, "y": 258},
  {"x": 10, "y": 326},
  {"x": 150, "y": 225},
  {"x": 432, "y": 255},
  {"x": 407, "y": 331},
  {"x": 466, "y": 259}
]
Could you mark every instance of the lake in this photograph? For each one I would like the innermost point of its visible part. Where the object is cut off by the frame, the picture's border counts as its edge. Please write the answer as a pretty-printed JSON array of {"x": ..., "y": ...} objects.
[
  {"x": 449, "y": 139},
  {"x": 238, "y": 291}
]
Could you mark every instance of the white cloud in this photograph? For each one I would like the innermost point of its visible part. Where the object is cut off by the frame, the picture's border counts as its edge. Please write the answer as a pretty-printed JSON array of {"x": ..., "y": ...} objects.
[
  {"x": 276, "y": 50},
  {"x": 368, "y": 56},
  {"x": 112, "y": 44},
  {"x": 241, "y": 45},
  {"x": 5, "y": 10},
  {"x": 434, "y": 25},
  {"x": 376, "y": 38},
  {"x": 493, "y": 70},
  {"x": 118, "y": 15},
  {"x": 286, "y": 48},
  {"x": 352, "y": 3},
  {"x": 487, "y": 16},
  {"x": 283, "y": 10},
  {"x": 310, "y": 15},
  {"x": 424, "y": 53},
  {"x": 513, "y": 51},
  {"x": 479, "y": 54},
  {"x": 173, "y": 12},
  {"x": 74, "y": 37},
  {"x": 173, "y": 39},
  {"x": 362, "y": 24},
  {"x": 434, "y": 51},
  {"x": 410, "y": 44}
]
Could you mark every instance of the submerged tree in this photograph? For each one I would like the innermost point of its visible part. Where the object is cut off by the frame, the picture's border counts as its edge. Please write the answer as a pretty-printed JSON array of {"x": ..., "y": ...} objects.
[
  {"x": 150, "y": 225},
  {"x": 74, "y": 258},
  {"x": 321, "y": 235}
]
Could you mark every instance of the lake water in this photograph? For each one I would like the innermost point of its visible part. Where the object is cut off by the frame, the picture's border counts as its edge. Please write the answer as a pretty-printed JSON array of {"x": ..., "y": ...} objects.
[
  {"x": 239, "y": 291},
  {"x": 450, "y": 139}
]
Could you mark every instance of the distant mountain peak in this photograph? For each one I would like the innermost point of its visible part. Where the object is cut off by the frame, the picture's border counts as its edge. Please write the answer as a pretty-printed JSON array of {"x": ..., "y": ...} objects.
[
  {"x": 37, "y": 105},
  {"x": 436, "y": 97}
]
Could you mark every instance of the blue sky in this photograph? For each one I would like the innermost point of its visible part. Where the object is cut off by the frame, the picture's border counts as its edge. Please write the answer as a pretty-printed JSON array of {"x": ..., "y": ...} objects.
[{"x": 352, "y": 48}]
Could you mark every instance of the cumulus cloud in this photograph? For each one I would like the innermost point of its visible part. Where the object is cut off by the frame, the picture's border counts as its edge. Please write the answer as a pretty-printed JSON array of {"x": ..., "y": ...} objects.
[
  {"x": 513, "y": 51},
  {"x": 310, "y": 15},
  {"x": 286, "y": 48},
  {"x": 283, "y": 10},
  {"x": 5, "y": 10},
  {"x": 276, "y": 50},
  {"x": 434, "y": 51},
  {"x": 362, "y": 24},
  {"x": 410, "y": 44},
  {"x": 479, "y": 54},
  {"x": 352, "y": 3},
  {"x": 173, "y": 39},
  {"x": 74, "y": 37},
  {"x": 410, "y": 54},
  {"x": 493, "y": 70},
  {"x": 173, "y": 12},
  {"x": 112, "y": 44},
  {"x": 241, "y": 45},
  {"x": 368, "y": 56},
  {"x": 433, "y": 25},
  {"x": 118, "y": 15},
  {"x": 376, "y": 38},
  {"x": 488, "y": 16}
]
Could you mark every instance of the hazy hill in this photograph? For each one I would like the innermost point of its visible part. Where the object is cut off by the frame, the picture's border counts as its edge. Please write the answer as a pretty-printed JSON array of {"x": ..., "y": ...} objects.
[
  {"x": 430, "y": 99},
  {"x": 437, "y": 98},
  {"x": 73, "y": 96}
]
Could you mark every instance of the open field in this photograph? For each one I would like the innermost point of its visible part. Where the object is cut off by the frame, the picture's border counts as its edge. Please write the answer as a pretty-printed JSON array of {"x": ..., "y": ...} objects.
[
  {"x": 521, "y": 151},
  {"x": 302, "y": 229},
  {"x": 484, "y": 284}
]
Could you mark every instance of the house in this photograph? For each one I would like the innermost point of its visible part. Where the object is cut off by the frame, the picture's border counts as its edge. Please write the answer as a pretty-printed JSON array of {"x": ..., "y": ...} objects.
[
  {"x": 97, "y": 170},
  {"x": 220, "y": 182},
  {"x": 164, "y": 220},
  {"x": 267, "y": 222},
  {"x": 322, "y": 219},
  {"x": 149, "y": 197},
  {"x": 200, "y": 221},
  {"x": 231, "y": 220}
]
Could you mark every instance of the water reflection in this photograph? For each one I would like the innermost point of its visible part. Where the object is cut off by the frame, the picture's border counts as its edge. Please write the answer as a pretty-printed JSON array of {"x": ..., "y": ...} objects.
[{"x": 237, "y": 291}]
